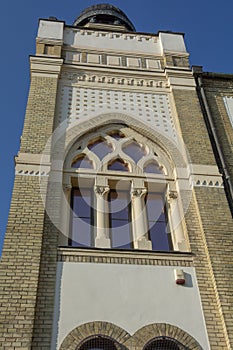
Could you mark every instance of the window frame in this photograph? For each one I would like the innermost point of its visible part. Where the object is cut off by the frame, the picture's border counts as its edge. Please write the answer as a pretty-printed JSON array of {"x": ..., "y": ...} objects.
[{"x": 135, "y": 175}]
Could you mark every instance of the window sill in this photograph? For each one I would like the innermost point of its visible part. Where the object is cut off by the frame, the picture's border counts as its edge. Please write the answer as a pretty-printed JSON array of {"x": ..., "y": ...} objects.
[{"x": 132, "y": 257}]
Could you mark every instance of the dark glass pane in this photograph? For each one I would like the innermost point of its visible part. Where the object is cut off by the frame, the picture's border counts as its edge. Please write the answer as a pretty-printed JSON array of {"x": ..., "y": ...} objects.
[
  {"x": 82, "y": 202},
  {"x": 153, "y": 167},
  {"x": 118, "y": 165},
  {"x": 159, "y": 236},
  {"x": 118, "y": 223},
  {"x": 101, "y": 148},
  {"x": 135, "y": 151},
  {"x": 82, "y": 162},
  {"x": 120, "y": 219},
  {"x": 155, "y": 206},
  {"x": 119, "y": 204},
  {"x": 120, "y": 234},
  {"x": 81, "y": 221},
  {"x": 81, "y": 232}
]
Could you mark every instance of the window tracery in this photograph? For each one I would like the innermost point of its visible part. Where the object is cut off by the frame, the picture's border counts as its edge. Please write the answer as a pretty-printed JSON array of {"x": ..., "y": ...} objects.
[{"x": 127, "y": 169}]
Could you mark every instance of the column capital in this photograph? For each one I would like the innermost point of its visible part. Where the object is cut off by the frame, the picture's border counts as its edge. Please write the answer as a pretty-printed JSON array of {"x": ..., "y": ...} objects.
[
  {"x": 172, "y": 194},
  {"x": 138, "y": 192},
  {"x": 101, "y": 190},
  {"x": 67, "y": 187}
]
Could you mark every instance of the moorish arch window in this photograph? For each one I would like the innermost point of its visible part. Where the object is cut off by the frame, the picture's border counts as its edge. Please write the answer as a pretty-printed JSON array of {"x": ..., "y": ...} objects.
[
  {"x": 164, "y": 343},
  {"x": 119, "y": 199}
]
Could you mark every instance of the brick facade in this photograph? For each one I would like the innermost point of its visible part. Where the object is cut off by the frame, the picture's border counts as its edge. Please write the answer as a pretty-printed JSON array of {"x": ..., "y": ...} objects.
[{"x": 31, "y": 253}]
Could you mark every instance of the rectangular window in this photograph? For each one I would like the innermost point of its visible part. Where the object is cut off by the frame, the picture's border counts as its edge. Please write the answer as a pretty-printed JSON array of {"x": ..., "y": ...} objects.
[
  {"x": 157, "y": 221},
  {"x": 81, "y": 230},
  {"x": 120, "y": 219}
]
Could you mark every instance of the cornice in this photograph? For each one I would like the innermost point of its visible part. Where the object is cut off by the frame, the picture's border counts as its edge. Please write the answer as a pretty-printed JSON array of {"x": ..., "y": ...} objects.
[
  {"x": 114, "y": 81},
  {"x": 45, "y": 66},
  {"x": 134, "y": 257},
  {"x": 125, "y": 35},
  {"x": 49, "y": 41},
  {"x": 114, "y": 78},
  {"x": 180, "y": 79},
  {"x": 105, "y": 69}
]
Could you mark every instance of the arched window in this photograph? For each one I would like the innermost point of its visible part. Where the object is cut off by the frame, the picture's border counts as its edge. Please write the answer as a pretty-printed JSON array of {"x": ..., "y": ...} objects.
[
  {"x": 164, "y": 343},
  {"x": 99, "y": 343},
  {"x": 82, "y": 162},
  {"x": 119, "y": 192},
  {"x": 118, "y": 165},
  {"x": 153, "y": 167}
]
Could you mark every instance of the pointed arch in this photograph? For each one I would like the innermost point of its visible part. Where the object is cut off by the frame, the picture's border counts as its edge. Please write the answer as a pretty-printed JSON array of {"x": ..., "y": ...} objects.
[{"x": 66, "y": 136}]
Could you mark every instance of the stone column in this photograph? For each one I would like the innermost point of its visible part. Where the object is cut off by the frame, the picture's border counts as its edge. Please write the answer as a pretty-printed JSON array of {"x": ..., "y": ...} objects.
[
  {"x": 175, "y": 222},
  {"x": 65, "y": 215},
  {"x": 140, "y": 225},
  {"x": 102, "y": 217}
]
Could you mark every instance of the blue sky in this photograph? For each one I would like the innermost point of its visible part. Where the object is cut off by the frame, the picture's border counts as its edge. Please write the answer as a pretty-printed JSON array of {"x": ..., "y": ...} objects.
[{"x": 207, "y": 25}]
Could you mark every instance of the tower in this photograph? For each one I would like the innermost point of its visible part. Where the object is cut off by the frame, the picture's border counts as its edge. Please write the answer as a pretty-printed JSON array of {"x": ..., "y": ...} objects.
[{"x": 120, "y": 228}]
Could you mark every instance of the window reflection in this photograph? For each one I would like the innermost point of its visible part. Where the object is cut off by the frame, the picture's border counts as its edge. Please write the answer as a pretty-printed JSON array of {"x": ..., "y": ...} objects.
[
  {"x": 118, "y": 165},
  {"x": 81, "y": 231},
  {"x": 101, "y": 148},
  {"x": 157, "y": 221},
  {"x": 120, "y": 218},
  {"x": 135, "y": 151},
  {"x": 82, "y": 162},
  {"x": 153, "y": 167}
]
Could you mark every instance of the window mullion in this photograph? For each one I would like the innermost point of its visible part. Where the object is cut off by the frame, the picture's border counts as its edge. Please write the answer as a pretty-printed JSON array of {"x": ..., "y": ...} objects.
[{"x": 140, "y": 224}]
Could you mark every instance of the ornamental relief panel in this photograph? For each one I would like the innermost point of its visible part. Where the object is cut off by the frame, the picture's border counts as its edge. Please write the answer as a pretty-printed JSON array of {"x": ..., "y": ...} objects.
[
  {"x": 81, "y": 76},
  {"x": 79, "y": 103}
]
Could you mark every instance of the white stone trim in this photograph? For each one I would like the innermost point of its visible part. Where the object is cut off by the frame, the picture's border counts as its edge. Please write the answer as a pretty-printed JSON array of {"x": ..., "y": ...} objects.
[
  {"x": 44, "y": 66},
  {"x": 51, "y": 29},
  {"x": 31, "y": 173},
  {"x": 205, "y": 175},
  {"x": 201, "y": 181},
  {"x": 180, "y": 79},
  {"x": 30, "y": 158},
  {"x": 130, "y": 80},
  {"x": 118, "y": 41},
  {"x": 228, "y": 101},
  {"x": 47, "y": 41}
]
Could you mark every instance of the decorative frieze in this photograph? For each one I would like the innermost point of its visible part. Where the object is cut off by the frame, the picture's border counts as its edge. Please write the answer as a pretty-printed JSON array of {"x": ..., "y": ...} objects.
[
  {"x": 208, "y": 182},
  {"x": 31, "y": 173},
  {"x": 111, "y": 256},
  {"x": 98, "y": 58},
  {"x": 205, "y": 175},
  {"x": 109, "y": 35},
  {"x": 75, "y": 78}
]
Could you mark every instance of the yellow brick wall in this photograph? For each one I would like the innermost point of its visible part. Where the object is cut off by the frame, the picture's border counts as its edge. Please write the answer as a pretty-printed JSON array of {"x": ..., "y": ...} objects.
[{"x": 19, "y": 268}]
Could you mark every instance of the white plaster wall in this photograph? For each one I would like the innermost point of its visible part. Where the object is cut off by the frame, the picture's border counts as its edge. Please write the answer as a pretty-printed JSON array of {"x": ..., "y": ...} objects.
[
  {"x": 129, "y": 296},
  {"x": 50, "y": 30},
  {"x": 172, "y": 42},
  {"x": 117, "y": 42}
]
